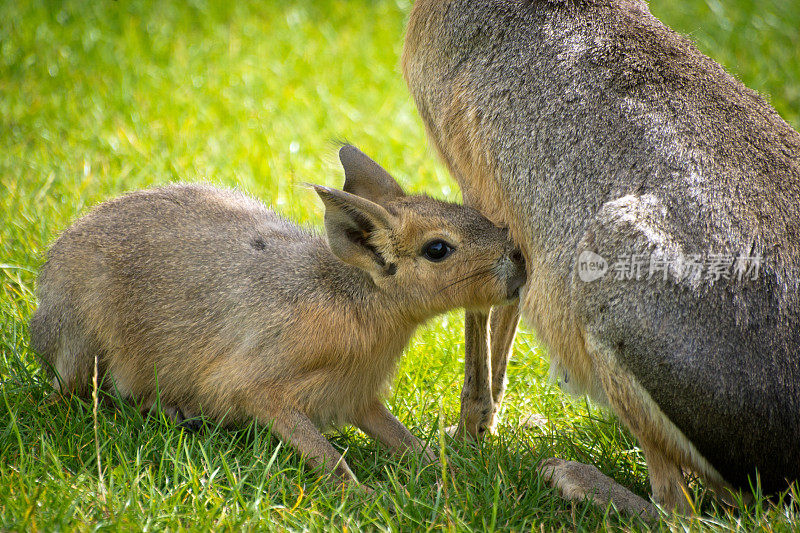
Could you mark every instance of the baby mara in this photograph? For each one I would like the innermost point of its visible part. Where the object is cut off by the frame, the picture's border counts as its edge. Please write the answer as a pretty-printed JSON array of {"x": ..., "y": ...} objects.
[{"x": 206, "y": 300}]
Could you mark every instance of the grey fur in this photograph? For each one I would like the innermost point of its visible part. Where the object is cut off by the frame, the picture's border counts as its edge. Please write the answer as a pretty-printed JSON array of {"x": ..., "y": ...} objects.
[{"x": 605, "y": 130}]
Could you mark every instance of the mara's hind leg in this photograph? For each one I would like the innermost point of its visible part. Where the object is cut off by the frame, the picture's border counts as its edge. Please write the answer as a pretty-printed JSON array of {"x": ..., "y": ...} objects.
[
  {"x": 578, "y": 482},
  {"x": 665, "y": 448},
  {"x": 66, "y": 349},
  {"x": 179, "y": 416}
]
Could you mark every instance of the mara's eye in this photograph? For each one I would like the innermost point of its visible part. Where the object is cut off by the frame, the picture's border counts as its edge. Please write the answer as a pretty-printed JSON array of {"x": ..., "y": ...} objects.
[{"x": 436, "y": 250}]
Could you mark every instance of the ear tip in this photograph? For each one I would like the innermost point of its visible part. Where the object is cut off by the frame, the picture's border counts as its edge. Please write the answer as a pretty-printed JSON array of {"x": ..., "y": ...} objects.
[
  {"x": 321, "y": 189},
  {"x": 347, "y": 152}
]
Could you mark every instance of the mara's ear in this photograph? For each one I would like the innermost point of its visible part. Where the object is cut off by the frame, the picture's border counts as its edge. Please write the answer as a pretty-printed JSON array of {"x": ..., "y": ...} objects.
[
  {"x": 366, "y": 178},
  {"x": 350, "y": 221}
]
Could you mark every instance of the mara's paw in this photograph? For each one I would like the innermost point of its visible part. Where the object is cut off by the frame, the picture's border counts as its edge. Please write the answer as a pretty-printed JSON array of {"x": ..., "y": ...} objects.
[
  {"x": 466, "y": 432},
  {"x": 578, "y": 482}
]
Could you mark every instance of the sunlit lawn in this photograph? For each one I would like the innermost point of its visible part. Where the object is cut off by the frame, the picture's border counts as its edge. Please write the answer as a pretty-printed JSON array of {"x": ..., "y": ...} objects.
[{"x": 97, "y": 98}]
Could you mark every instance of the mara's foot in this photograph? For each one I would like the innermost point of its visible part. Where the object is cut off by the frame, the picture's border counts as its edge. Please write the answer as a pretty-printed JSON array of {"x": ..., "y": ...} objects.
[{"x": 578, "y": 482}]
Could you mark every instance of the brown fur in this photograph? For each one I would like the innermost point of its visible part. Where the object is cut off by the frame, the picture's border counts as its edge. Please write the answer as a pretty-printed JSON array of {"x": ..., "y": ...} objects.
[{"x": 206, "y": 301}]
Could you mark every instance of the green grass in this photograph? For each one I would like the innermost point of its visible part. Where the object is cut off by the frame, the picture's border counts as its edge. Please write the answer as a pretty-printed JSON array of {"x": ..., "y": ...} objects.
[{"x": 97, "y": 98}]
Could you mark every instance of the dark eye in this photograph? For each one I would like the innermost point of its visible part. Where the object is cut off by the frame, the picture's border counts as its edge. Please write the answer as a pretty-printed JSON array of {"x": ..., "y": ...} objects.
[{"x": 436, "y": 250}]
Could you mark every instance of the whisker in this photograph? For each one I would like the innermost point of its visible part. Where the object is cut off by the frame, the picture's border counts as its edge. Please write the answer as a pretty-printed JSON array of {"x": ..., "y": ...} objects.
[{"x": 468, "y": 277}]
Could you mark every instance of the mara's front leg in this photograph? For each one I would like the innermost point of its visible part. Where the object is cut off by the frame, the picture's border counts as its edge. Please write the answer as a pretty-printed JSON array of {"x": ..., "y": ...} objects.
[
  {"x": 380, "y": 424},
  {"x": 476, "y": 394},
  {"x": 488, "y": 339},
  {"x": 503, "y": 324},
  {"x": 296, "y": 429}
]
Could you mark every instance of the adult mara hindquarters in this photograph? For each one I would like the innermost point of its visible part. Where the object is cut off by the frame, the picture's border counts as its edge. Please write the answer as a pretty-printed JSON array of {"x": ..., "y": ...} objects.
[{"x": 594, "y": 131}]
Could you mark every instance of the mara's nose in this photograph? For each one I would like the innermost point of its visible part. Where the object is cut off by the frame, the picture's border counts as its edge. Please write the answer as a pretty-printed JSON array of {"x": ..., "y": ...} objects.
[
  {"x": 518, "y": 258},
  {"x": 518, "y": 277}
]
